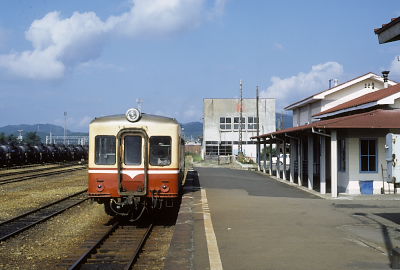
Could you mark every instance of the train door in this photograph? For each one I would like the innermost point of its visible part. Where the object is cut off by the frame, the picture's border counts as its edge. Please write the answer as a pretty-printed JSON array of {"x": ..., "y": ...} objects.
[{"x": 133, "y": 163}]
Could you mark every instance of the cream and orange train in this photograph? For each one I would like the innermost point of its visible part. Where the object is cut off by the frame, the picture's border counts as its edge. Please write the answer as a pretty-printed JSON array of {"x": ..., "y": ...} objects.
[{"x": 136, "y": 162}]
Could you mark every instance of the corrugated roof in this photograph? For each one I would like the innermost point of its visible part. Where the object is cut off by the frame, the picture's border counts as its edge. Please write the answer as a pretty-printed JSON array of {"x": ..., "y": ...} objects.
[
  {"x": 387, "y": 25},
  {"x": 367, "y": 98},
  {"x": 375, "y": 119}
]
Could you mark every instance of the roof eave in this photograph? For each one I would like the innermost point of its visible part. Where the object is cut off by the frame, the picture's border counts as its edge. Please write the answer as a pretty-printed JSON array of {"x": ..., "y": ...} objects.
[{"x": 355, "y": 108}]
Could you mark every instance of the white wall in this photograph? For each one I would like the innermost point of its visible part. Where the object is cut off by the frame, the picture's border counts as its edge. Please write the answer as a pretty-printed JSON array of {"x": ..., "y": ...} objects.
[
  {"x": 303, "y": 115},
  {"x": 348, "y": 181},
  {"x": 349, "y": 93},
  {"x": 216, "y": 108}
]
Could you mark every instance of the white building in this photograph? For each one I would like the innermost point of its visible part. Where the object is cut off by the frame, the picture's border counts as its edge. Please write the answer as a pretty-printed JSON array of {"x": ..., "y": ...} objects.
[
  {"x": 221, "y": 125},
  {"x": 304, "y": 109},
  {"x": 337, "y": 144}
]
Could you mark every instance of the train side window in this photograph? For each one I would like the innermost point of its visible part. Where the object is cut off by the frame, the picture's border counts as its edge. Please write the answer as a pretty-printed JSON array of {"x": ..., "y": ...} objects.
[
  {"x": 160, "y": 150},
  {"x": 105, "y": 150},
  {"x": 132, "y": 150}
]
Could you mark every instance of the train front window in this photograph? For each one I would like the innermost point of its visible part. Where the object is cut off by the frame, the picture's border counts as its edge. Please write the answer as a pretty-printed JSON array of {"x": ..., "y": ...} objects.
[
  {"x": 160, "y": 150},
  {"x": 105, "y": 150},
  {"x": 132, "y": 150}
]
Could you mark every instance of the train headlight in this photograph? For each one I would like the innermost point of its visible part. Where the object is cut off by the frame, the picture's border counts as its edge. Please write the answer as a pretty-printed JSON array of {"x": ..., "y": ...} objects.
[
  {"x": 133, "y": 115},
  {"x": 100, "y": 187},
  {"x": 164, "y": 188}
]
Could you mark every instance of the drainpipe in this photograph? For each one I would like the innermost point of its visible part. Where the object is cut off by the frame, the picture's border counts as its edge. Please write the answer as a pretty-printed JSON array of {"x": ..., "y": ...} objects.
[{"x": 319, "y": 133}]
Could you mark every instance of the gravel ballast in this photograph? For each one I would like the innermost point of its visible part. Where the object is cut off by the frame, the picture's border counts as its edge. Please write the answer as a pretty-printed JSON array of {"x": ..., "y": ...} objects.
[
  {"x": 47, "y": 244},
  {"x": 20, "y": 197}
]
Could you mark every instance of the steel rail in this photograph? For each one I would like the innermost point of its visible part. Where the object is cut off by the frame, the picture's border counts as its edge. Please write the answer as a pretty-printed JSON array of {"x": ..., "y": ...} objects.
[
  {"x": 86, "y": 255},
  {"x": 92, "y": 250},
  {"x": 17, "y": 167},
  {"x": 28, "y": 177},
  {"x": 139, "y": 247},
  {"x": 36, "y": 211}
]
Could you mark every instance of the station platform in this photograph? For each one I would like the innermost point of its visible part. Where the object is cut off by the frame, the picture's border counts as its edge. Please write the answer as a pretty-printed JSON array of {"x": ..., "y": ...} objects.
[{"x": 236, "y": 219}]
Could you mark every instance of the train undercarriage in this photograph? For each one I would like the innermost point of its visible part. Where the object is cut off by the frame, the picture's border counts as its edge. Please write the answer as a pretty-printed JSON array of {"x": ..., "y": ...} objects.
[{"x": 134, "y": 207}]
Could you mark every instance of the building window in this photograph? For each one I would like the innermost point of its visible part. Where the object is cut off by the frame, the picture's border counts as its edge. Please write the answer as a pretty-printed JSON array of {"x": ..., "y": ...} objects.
[
  {"x": 225, "y": 150},
  {"x": 225, "y": 123},
  {"x": 211, "y": 142},
  {"x": 368, "y": 155},
  {"x": 211, "y": 150},
  {"x": 252, "y": 122},
  {"x": 236, "y": 123},
  {"x": 342, "y": 155}
]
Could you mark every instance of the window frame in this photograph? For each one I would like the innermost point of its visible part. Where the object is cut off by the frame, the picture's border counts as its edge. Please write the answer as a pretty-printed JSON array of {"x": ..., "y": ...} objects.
[
  {"x": 375, "y": 140},
  {"x": 238, "y": 123},
  {"x": 224, "y": 124},
  {"x": 253, "y": 124},
  {"x": 141, "y": 150},
  {"x": 170, "y": 152},
  {"x": 96, "y": 147}
]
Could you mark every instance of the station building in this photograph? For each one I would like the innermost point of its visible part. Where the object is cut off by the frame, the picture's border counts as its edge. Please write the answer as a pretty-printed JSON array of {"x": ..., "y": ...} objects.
[
  {"x": 222, "y": 120},
  {"x": 337, "y": 142}
]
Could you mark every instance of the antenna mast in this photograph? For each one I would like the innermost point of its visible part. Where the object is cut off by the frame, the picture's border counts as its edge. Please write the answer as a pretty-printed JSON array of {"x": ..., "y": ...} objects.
[
  {"x": 65, "y": 126},
  {"x": 139, "y": 103},
  {"x": 240, "y": 119}
]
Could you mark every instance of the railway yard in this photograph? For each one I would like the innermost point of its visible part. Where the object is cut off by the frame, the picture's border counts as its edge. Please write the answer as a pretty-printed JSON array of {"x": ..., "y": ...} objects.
[
  {"x": 61, "y": 240},
  {"x": 272, "y": 222}
]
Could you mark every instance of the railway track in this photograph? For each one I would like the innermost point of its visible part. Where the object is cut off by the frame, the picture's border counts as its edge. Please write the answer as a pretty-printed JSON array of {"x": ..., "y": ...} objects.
[
  {"x": 26, "y": 166},
  {"x": 41, "y": 169},
  {"x": 20, "y": 176},
  {"x": 116, "y": 248},
  {"x": 23, "y": 222}
]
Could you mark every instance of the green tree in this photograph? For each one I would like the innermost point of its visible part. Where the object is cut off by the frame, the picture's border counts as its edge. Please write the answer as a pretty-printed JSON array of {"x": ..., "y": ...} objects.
[
  {"x": 12, "y": 139},
  {"x": 3, "y": 138},
  {"x": 32, "y": 138}
]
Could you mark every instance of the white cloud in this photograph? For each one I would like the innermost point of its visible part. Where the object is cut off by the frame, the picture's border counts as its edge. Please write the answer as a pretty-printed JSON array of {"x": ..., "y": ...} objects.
[
  {"x": 279, "y": 46},
  {"x": 395, "y": 67},
  {"x": 59, "y": 43},
  {"x": 95, "y": 64},
  {"x": 302, "y": 85},
  {"x": 3, "y": 37},
  {"x": 192, "y": 114},
  {"x": 84, "y": 122}
]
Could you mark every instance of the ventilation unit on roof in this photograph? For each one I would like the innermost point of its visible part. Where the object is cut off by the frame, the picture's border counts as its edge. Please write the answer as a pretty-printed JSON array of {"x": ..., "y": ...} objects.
[
  {"x": 333, "y": 83},
  {"x": 385, "y": 75}
]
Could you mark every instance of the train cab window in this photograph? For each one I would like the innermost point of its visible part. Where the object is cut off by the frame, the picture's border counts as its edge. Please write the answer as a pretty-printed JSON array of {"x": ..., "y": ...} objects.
[
  {"x": 160, "y": 150},
  {"x": 132, "y": 150},
  {"x": 105, "y": 150}
]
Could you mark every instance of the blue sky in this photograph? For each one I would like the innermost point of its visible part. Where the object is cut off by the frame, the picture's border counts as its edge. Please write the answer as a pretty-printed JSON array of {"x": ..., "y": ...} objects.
[{"x": 96, "y": 57}]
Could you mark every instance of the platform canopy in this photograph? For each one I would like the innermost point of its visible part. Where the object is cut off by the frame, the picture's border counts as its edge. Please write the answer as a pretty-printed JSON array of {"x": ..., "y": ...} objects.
[{"x": 376, "y": 119}]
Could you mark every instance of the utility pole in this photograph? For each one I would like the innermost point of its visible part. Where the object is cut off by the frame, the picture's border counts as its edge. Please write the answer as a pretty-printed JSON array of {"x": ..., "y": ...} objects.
[
  {"x": 258, "y": 129},
  {"x": 257, "y": 119},
  {"x": 65, "y": 126},
  {"x": 240, "y": 119}
]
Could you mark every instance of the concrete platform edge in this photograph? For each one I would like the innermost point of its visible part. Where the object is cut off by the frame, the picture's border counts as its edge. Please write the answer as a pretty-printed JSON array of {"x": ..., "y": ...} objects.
[{"x": 180, "y": 254}]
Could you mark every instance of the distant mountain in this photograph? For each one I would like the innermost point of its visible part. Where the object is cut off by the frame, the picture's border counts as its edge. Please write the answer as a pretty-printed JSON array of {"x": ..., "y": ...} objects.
[
  {"x": 193, "y": 130},
  {"x": 286, "y": 118},
  {"x": 42, "y": 130}
]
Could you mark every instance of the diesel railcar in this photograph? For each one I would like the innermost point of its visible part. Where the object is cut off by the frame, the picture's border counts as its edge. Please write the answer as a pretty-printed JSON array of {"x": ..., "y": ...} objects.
[{"x": 136, "y": 163}]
